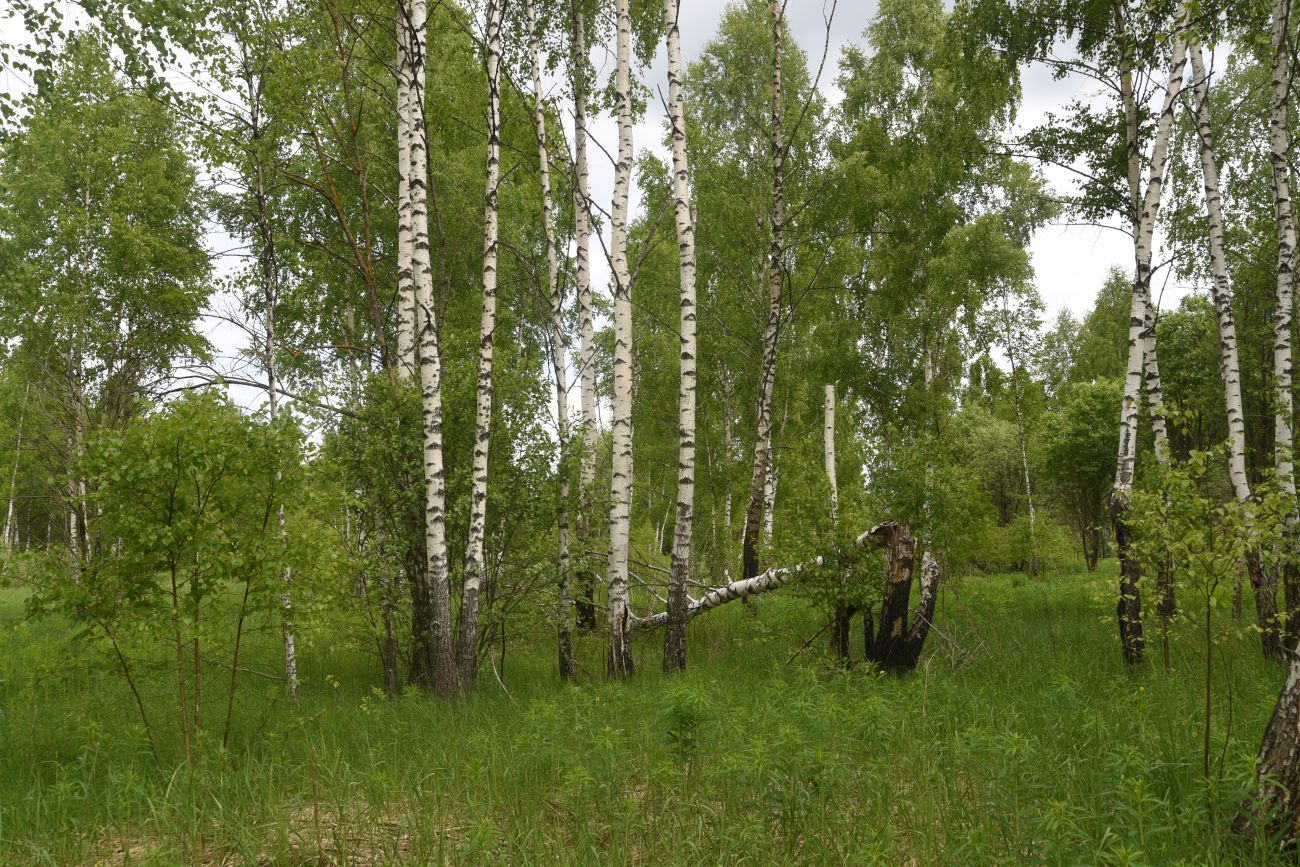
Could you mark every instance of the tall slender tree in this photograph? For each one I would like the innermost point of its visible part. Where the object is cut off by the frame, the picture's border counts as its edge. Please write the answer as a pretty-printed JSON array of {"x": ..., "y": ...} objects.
[
  {"x": 1229, "y": 356},
  {"x": 675, "y": 634},
  {"x": 432, "y": 618},
  {"x": 620, "y": 508},
  {"x": 1143, "y": 207},
  {"x": 775, "y": 275},
  {"x": 586, "y": 320},
  {"x": 558, "y": 341},
  {"x": 475, "y": 559}
]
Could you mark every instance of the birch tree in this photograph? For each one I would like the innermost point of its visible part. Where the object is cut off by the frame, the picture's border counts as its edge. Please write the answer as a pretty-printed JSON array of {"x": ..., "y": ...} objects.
[
  {"x": 586, "y": 328},
  {"x": 10, "y": 542},
  {"x": 1279, "y": 141},
  {"x": 475, "y": 562},
  {"x": 762, "y": 466},
  {"x": 675, "y": 634},
  {"x": 1229, "y": 357},
  {"x": 559, "y": 362},
  {"x": 1144, "y": 207},
  {"x": 407, "y": 327},
  {"x": 431, "y": 619},
  {"x": 620, "y": 651}
]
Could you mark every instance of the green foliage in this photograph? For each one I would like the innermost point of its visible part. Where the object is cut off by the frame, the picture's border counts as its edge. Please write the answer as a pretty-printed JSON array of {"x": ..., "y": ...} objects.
[{"x": 185, "y": 505}]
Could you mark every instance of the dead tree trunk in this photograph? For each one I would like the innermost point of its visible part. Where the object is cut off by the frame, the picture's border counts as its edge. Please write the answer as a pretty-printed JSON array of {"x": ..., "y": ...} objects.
[{"x": 897, "y": 645}]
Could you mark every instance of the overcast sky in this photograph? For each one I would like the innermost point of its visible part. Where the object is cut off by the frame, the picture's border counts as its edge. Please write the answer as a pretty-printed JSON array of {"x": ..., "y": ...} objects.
[{"x": 1070, "y": 262}]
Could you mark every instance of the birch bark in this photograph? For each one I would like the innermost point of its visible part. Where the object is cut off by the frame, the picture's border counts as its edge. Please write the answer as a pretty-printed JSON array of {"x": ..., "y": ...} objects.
[
  {"x": 11, "y": 530},
  {"x": 828, "y": 452},
  {"x": 432, "y": 625},
  {"x": 1144, "y": 208},
  {"x": 586, "y": 607},
  {"x": 620, "y": 651},
  {"x": 475, "y": 561},
  {"x": 767, "y": 371},
  {"x": 679, "y": 575},
  {"x": 1229, "y": 359},
  {"x": 1279, "y": 140},
  {"x": 559, "y": 362},
  {"x": 406, "y": 325},
  {"x": 1277, "y": 799}
]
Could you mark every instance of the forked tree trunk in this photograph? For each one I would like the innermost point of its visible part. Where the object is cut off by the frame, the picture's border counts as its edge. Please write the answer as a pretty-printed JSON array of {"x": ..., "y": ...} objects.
[
  {"x": 431, "y": 617},
  {"x": 1229, "y": 360},
  {"x": 620, "y": 495},
  {"x": 680, "y": 572},
  {"x": 1144, "y": 208},
  {"x": 559, "y": 361},
  {"x": 767, "y": 371},
  {"x": 586, "y": 579},
  {"x": 475, "y": 559}
]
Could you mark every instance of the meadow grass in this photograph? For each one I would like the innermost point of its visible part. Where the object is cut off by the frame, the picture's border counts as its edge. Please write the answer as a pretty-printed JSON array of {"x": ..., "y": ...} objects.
[{"x": 1020, "y": 739}]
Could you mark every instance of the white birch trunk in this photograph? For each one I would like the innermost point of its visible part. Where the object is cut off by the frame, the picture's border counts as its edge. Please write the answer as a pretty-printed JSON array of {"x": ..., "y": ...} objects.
[
  {"x": 559, "y": 362},
  {"x": 1229, "y": 361},
  {"x": 1142, "y": 358},
  {"x": 828, "y": 452},
  {"x": 766, "y": 582},
  {"x": 620, "y": 659},
  {"x": 406, "y": 107},
  {"x": 767, "y": 372},
  {"x": 11, "y": 530},
  {"x": 680, "y": 572},
  {"x": 1144, "y": 207},
  {"x": 434, "y": 631},
  {"x": 475, "y": 561},
  {"x": 1220, "y": 285},
  {"x": 586, "y": 325},
  {"x": 1279, "y": 140}
]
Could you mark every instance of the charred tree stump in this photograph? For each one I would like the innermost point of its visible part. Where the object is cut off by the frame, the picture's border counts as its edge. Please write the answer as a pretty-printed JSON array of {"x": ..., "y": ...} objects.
[{"x": 897, "y": 644}]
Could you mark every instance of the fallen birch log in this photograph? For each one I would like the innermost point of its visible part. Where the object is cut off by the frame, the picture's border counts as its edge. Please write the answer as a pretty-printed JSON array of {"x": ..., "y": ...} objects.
[{"x": 772, "y": 579}]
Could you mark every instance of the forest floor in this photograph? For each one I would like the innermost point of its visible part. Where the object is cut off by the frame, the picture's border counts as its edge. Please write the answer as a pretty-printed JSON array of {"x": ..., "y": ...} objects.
[{"x": 1020, "y": 739}]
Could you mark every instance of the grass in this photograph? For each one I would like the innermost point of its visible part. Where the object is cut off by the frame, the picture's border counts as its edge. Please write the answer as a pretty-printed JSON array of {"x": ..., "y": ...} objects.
[{"x": 1021, "y": 739}]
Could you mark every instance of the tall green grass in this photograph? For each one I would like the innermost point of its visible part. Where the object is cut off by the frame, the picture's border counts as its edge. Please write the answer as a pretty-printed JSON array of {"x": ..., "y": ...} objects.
[{"x": 1021, "y": 739}]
